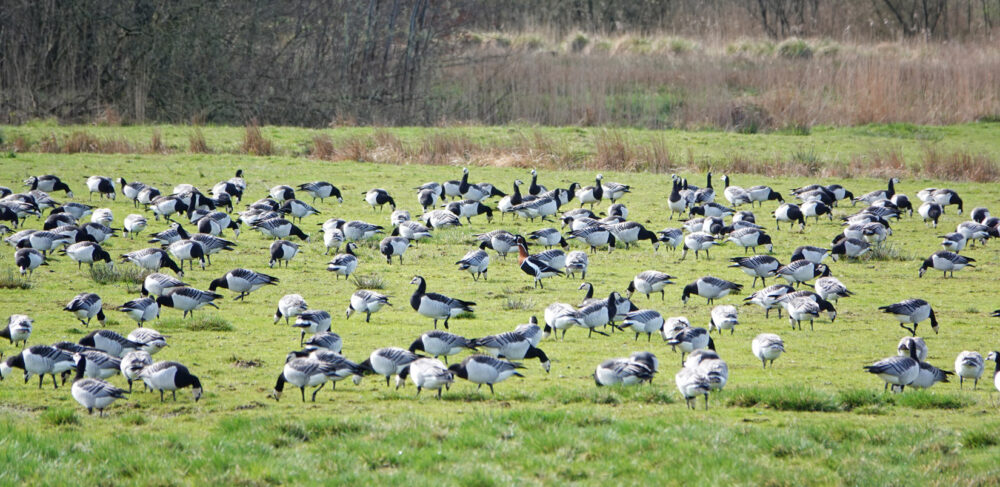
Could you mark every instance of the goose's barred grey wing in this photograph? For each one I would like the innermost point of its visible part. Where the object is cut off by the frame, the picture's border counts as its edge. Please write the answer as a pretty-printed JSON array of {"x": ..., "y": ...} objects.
[{"x": 892, "y": 366}]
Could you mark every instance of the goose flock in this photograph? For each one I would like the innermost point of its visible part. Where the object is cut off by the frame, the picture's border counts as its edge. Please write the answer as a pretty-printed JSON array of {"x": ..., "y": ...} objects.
[{"x": 195, "y": 226}]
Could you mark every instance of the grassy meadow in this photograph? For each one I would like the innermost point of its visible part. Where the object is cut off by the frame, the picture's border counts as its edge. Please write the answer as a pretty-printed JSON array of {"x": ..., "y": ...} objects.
[{"x": 816, "y": 417}]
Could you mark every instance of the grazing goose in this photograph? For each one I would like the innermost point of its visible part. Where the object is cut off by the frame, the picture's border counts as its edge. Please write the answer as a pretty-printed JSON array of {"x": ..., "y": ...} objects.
[
  {"x": 283, "y": 250},
  {"x": 577, "y": 261},
  {"x": 343, "y": 368},
  {"x": 882, "y": 194},
  {"x": 946, "y": 262},
  {"x": 689, "y": 339},
  {"x": 698, "y": 241},
  {"x": 243, "y": 281},
  {"x": 711, "y": 210},
  {"x": 167, "y": 206},
  {"x": 298, "y": 209},
  {"x": 399, "y": 216},
  {"x": 930, "y": 211},
  {"x": 533, "y": 265},
  {"x": 543, "y": 208},
  {"x": 562, "y": 196},
  {"x": 97, "y": 364},
  {"x": 427, "y": 199},
  {"x": 947, "y": 197},
  {"x": 483, "y": 369},
  {"x": 388, "y": 361},
  {"x": 438, "y": 219},
  {"x": 325, "y": 340},
  {"x": 751, "y": 238},
  {"x": 691, "y": 383},
  {"x": 87, "y": 253},
  {"x": 281, "y": 193},
  {"x": 440, "y": 343},
  {"x": 305, "y": 372},
  {"x": 906, "y": 342},
  {"x": 561, "y": 316},
  {"x": 532, "y": 331},
  {"x": 643, "y": 321},
  {"x": 507, "y": 203},
  {"x": 56, "y": 220},
  {"x": 470, "y": 208},
  {"x": 44, "y": 241},
  {"x": 93, "y": 393},
  {"x": 344, "y": 264},
  {"x": 151, "y": 341},
  {"x": 157, "y": 284},
  {"x": 290, "y": 306},
  {"x": 995, "y": 356},
  {"x": 767, "y": 346},
  {"x": 367, "y": 302},
  {"x": 437, "y": 306},
  {"x": 40, "y": 360},
  {"x": 477, "y": 262},
  {"x": 632, "y": 232},
  {"x": 512, "y": 345},
  {"x": 133, "y": 224},
  {"x": 799, "y": 271},
  {"x": 972, "y": 231},
  {"x": 648, "y": 282},
  {"x": 902, "y": 203},
  {"x": 804, "y": 308},
  {"x": 709, "y": 364},
  {"x": 141, "y": 310},
  {"x": 394, "y": 246},
  {"x": 850, "y": 248},
  {"x": 188, "y": 250},
  {"x": 103, "y": 186},
  {"x": 816, "y": 209},
  {"x": 980, "y": 214},
  {"x": 102, "y": 216},
  {"x": 188, "y": 299},
  {"x": 428, "y": 373},
  {"x": 969, "y": 365},
  {"x": 759, "y": 266},
  {"x": 355, "y": 230},
  {"x": 86, "y": 306},
  {"x": 760, "y": 194},
  {"x": 48, "y": 183},
  {"x": 769, "y": 298},
  {"x": 735, "y": 195},
  {"x": 548, "y": 238},
  {"x": 321, "y": 190},
  {"x": 911, "y": 311},
  {"x": 133, "y": 363},
  {"x": 500, "y": 241},
  {"x": 710, "y": 288},
  {"x": 332, "y": 238},
  {"x": 953, "y": 242},
  {"x": 788, "y": 212},
  {"x": 27, "y": 260},
  {"x": 109, "y": 342},
  {"x": 831, "y": 289},
  {"x": 279, "y": 228},
  {"x": 599, "y": 313},
  {"x": 97, "y": 232},
  {"x": 18, "y": 329},
  {"x": 170, "y": 376},
  {"x": 724, "y": 317},
  {"x": 437, "y": 188},
  {"x": 929, "y": 375},
  {"x": 379, "y": 197},
  {"x": 591, "y": 194},
  {"x": 173, "y": 234},
  {"x": 414, "y": 231},
  {"x": 636, "y": 369},
  {"x": 900, "y": 371}
]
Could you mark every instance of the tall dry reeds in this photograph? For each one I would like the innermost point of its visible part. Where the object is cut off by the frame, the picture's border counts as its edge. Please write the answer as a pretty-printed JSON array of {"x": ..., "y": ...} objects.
[{"x": 254, "y": 142}]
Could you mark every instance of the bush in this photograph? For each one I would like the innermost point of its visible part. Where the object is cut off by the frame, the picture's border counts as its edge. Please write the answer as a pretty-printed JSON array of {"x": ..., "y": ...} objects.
[
  {"x": 369, "y": 281},
  {"x": 128, "y": 274},
  {"x": 579, "y": 42},
  {"x": 255, "y": 143},
  {"x": 748, "y": 118},
  {"x": 196, "y": 142},
  {"x": 795, "y": 48}
]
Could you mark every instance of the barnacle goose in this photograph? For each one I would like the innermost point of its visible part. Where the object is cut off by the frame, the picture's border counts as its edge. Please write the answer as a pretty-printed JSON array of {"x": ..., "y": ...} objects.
[
  {"x": 631, "y": 232},
  {"x": 132, "y": 363},
  {"x": 325, "y": 340},
  {"x": 710, "y": 210},
  {"x": 18, "y": 329},
  {"x": 355, "y": 230},
  {"x": 157, "y": 284},
  {"x": 799, "y": 271},
  {"x": 542, "y": 207},
  {"x": 638, "y": 368},
  {"x": 470, "y": 208},
  {"x": 394, "y": 246},
  {"x": 906, "y": 342},
  {"x": 367, "y": 302},
  {"x": 562, "y": 316},
  {"x": 831, "y": 289},
  {"x": 152, "y": 259},
  {"x": 483, "y": 369},
  {"x": 851, "y": 248},
  {"x": 969, "y": 365},
  {"x": 759, "y": 266},
  {"x": 98, "y": 365},
  {"x": 751, "y": 238},
  {"x": 735, "y": 195},
  {"x": 379, "y": 197},
  {"x": 512, "y": 345},
  {"x": 48, "y": 183},
  {"x": 947, "y": 197},
  {"x": 816, "y": 209},
  {"x": 788, "y": 212},
  {"x": 188, "y": 299},
  {"x": 648, "y": 282},
  {"x": 388, "y": 361},
  {"x": 170, "y": 376},
  {"x": 188, "y": 250},
  {"x": 577, "y": 261},
  {"x": 882, "y": 194},
  {"x": 676, "y": 202},
  {"x": 428, "y": 373},
  {"x": 151, "y": 341},
  {"x": 533, "y": 265},
  {"x": 399, "y": 216},
  {"x": 314, "y": 321},
  {"x": 290, "y": 306},
  {"x": 562, "y": 196},
  {"x": 344, "y": 264},
  {"x": 86, "y": 306},
  {"x": 281, "y": 193},
  {"x": 174, "y": 233},
  {"x": 332, "y": 237},
  {"x": 995, "y": 356},
  {"x": 500, "y": 241},
  {"x": 413, "y": 230},
  {"x": 769, "y": 297},
  {"x": 724, "y": 317},
  {"x": 591, "y": 194},
  {"x": 689, "y": 339},
  {"x": 912, "y": 311},
  {"x": 760, "y": 194},
  {"x": 810, "y": 253},
  {"x": 929, "y": 375},
  {"x": 691, "y": 383},
  {"x": 946, "y": 262},
  {"x": 133, "y": 224},
  {"x": 953, "y": 242},
  {"x": 672, "y": 237},
  {"x": 440, "y": 343},
  {"x": 436, "y": 306},
  {"x": 166, "y": 206},
  {"x": 27, "y": 260},
  {"x": 698, "y": 241},
  {"x": 141, "y": 310},
  {"x": 805, "y": 308},
  {"x": 40, "y": 360},
  {"x": 972, "y": 231},
  {"x": 599, "y": 313},
  {"x": 427, "y": 199},
  {"x": 278, "y": 228},
  {"x": 767, "y": 347},
  {"x": 708, "y": 363},
  {"x": 298, "y": 209},
  {"x": 93, "y": 393},
  {"x": 477, "y": 262},
  {"x": 103, "y": 186},
  {"x": 710, "y": 288},
  {"x": 535, "y": 189},
  {"x": 102, "y": 216},
  {"x": 243, "y": 281},
  {"x": 899, "y": 371},
  {"x": 321, "y": 190},
  {"x": 282, "y": 250},
  {"x": 643, "y": 321}
]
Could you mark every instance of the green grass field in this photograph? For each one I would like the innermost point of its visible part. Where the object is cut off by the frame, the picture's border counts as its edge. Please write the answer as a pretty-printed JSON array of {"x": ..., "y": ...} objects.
[{"x": 815, "y": 418}]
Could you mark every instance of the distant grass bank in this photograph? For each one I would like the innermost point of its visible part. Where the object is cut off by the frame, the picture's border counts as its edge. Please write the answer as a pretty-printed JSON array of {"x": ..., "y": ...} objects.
[{"x": 966, "y": 152}]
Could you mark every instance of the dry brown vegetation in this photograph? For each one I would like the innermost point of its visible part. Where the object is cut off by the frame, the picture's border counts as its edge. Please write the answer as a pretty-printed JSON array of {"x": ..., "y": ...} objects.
[
  {"x": 254, "y": 142},
  {"x": 197, "y": 143}
]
